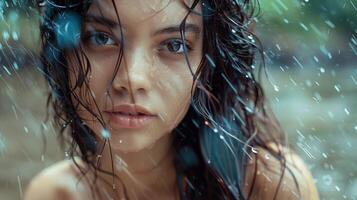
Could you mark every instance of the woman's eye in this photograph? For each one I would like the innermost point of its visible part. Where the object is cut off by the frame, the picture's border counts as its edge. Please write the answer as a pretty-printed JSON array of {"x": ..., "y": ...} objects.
[
  {"x": 176, "y": 46},
  {"x": 100, "y": 39}
]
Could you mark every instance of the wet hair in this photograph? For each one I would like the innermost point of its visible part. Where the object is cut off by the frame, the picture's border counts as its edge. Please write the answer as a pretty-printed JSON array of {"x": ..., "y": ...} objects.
[{"x": 228, "y": 118}]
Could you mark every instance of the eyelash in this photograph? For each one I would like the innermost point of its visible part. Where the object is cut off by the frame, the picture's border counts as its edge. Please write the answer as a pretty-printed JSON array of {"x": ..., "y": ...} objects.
[
  {"x": 89, "y": 37},
  {"x": 165, "y": 43}
]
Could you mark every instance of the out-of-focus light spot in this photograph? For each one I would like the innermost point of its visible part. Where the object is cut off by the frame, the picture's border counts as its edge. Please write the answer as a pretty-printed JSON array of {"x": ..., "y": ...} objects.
[
  {"x": 67, "y": 30},
  {"x": 327, "y": 180},
  {"x": 5, "y": 35},
  {"x": 105, "y": 134}
]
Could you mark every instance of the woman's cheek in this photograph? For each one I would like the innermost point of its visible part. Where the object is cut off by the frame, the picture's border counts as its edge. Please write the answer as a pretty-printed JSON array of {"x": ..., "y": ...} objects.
[{"x": 179, "y": 98}]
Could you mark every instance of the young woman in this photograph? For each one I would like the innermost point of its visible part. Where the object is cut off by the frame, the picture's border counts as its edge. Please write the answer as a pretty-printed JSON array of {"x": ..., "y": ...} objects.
[{"x": 157, "y": 99}]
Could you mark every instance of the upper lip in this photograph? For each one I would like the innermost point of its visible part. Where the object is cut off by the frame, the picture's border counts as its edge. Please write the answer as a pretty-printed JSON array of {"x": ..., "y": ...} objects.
[{"x": 130, "y": 109}]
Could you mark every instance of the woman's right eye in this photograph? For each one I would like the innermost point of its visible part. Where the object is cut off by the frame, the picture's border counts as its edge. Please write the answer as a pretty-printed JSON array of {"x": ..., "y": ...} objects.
[{"x": 99, "y": 39}]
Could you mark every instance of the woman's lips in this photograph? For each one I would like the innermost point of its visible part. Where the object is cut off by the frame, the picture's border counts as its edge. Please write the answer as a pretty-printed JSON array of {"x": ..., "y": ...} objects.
[{"x": 122, "y": 120}]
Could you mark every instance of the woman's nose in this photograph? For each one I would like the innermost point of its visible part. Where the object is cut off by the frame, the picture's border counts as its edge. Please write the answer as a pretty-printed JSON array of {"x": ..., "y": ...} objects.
[{"x": 133, "y": 75}]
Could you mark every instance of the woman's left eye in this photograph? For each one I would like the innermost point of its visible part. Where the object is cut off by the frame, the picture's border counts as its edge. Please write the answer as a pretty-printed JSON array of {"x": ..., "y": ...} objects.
[
  {"x": 176, "y": 46},
  {"x": 100, "y": 39}
]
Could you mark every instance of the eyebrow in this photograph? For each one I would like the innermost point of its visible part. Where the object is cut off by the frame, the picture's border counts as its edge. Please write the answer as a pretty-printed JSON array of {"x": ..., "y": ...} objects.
[
  {"x": 171, "y": 29},
  {"x": 174, "y": 29},
  {"x": 101, "y": 20}
]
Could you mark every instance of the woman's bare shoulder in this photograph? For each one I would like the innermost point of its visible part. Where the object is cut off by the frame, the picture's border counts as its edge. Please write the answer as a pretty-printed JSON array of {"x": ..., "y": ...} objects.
[
  {"x": 59, "y": 181},
  {"x": 296, "y": 182}
]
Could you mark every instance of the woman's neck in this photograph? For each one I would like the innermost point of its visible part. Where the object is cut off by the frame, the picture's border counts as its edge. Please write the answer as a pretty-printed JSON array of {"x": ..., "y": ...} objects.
[{"x": 145, "y": 173}]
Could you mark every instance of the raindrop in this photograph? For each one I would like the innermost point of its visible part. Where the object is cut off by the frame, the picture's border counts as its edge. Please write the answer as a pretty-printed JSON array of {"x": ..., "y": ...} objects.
[
  {"x": 330, "y": 24},
  {"x": 316, "y": 59},
  {"x": 337, "y": 88},
  {"x": 267, "y": 156},
  {"x": 16, "y": 67},
  {"x": 105, "y": 134},
  {"x": 120, "y": 164},
  {"x": 347, "y": 111},
  {"x": 15, "y": 36},
  {"x": 6, "y": 35},
  {"x": 276, "y": 88},
  {"x": 304, "y": 26},
  {"x": 254, "y": 150}
]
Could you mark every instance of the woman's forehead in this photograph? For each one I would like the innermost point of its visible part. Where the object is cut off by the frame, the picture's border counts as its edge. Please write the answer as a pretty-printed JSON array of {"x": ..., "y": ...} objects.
[{"x": 136, "y": 11}]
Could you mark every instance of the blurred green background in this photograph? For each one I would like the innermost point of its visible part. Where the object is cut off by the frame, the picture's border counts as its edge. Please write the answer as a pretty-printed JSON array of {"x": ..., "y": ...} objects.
[{"x": 310, "y": 49}]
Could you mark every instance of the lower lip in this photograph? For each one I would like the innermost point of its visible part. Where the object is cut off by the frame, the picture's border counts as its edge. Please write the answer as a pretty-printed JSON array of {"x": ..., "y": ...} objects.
[{"x": 130, "y": 121}]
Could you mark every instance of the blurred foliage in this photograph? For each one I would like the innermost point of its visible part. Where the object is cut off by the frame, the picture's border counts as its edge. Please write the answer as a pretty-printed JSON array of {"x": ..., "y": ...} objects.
[{"x": 287, "y": 14}]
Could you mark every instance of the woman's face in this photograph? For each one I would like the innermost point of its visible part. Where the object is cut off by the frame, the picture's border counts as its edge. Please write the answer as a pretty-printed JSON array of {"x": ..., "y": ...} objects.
[{"x": 153, "y": 73}]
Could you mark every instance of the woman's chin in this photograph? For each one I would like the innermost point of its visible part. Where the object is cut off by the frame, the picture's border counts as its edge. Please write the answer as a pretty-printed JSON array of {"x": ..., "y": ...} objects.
[{"x": 131, "y": 143}]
